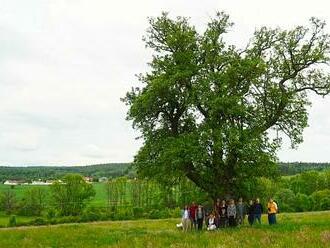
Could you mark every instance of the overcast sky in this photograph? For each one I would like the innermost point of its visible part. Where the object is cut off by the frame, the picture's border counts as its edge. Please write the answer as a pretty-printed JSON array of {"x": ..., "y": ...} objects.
[{"x": 64, "y": 64}]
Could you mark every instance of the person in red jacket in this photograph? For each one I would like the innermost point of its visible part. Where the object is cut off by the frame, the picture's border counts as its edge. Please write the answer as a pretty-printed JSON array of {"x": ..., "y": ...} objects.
[{"x": 192, "y": 210}]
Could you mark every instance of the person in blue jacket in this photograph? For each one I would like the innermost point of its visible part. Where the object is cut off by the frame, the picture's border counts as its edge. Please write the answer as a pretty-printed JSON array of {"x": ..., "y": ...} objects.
[{"x": 258, "y": 210}]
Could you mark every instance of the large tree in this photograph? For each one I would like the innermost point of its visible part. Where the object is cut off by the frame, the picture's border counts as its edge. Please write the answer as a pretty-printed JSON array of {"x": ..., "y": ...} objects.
[{"x": 206, "y": 110}]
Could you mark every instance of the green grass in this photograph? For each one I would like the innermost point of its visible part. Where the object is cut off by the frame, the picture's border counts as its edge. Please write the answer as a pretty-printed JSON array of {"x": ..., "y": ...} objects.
[
  {"x": 4, "y": 220},
  {"x": 100, "y": 199},
  {"x": 293, "y": 230}
]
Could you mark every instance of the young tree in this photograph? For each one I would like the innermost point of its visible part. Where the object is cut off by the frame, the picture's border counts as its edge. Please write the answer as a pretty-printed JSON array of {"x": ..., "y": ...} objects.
[
  {"x": 71, "y": 195},
  {"x": 8, "y": 201},
  {"x": 206, "y": 108},
  {"x": 33, "y": 202}
]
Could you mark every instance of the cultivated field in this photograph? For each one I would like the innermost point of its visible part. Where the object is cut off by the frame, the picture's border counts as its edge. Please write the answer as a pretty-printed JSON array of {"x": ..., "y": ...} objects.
[{"x": 293, "y": 230}]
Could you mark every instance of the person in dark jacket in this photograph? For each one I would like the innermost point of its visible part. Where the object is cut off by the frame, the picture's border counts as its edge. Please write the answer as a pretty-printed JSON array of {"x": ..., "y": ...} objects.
[
  {"x": 217, "y": 209},
  {"x": 223, "y": 214},
  {"x": 199, "y": 217},
  {"x": 250, "y": 212},
  {"x": 258, "y": 210}
]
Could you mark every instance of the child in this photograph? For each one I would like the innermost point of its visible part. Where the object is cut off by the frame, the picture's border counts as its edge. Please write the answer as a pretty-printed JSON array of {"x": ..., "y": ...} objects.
[
  {"x": 231, "y": 212},
  {"x": 211, "y": 223}
]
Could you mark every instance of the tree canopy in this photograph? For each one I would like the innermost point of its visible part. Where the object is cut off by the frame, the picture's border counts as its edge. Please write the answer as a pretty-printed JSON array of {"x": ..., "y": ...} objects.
[{"x": 206, "y": 108}]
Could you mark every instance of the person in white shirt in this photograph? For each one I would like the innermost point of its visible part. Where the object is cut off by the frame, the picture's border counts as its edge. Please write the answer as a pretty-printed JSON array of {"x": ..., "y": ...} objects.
[
  {"x": 186, "y": 223},
  {"x": 211, "y": 223}
]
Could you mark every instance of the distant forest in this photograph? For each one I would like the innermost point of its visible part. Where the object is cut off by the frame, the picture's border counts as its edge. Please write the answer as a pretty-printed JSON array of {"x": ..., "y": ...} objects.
[{"x": 113, "y": 170}]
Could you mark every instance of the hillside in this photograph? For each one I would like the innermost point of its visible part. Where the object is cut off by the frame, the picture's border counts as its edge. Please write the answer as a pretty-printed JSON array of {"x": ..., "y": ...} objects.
[{"x": 110, "y": 170}]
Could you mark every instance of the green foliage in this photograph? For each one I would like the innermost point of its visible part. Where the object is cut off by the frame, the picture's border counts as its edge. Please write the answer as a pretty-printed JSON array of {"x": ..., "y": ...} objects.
[
  {"x": 71, "y": 195},
  {"x": 39, "y": 221},
  {"x": 33, "y": 202},
  {"x": 12, "y": 221},
  {"x": 206, "y": 108},
  {"x": 320, "y": 197},
  {"x": 303, "y": 203},
  {"x": 8, "y": 201}
]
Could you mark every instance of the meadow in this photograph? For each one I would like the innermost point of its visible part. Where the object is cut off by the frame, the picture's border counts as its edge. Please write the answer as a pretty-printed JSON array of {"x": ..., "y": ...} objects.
[
  {"x": 293, "y": 230},
  {"x": 100, "y": 199}
]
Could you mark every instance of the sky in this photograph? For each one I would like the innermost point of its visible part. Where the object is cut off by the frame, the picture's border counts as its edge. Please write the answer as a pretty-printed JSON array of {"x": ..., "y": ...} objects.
[{"x": 65, "y": 64}]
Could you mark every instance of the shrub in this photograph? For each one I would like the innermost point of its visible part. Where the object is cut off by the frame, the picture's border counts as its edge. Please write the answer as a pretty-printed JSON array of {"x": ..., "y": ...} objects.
[
  {"x": 302, "y": 203},
  {"x": 137, "y": 212},
  {"x": 124, "y": 213},
  {"x": 174, "y": 213},
  {"x": 39, "y": 221},
  {"x": 92, "y": 214},
  {"x": 51, "y": 213},
  {"x": 12, "y": 221},
  {"x": 318, "y": 197},
  {"x": 325, "y": 203}
]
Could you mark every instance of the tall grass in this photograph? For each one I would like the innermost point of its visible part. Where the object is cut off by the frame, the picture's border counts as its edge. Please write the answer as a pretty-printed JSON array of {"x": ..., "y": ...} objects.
[{"x": 292, "y": 230}]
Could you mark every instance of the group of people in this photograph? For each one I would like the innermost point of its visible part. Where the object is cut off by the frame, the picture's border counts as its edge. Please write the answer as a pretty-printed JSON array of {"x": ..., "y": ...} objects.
[{"x": 226, "y": 214}]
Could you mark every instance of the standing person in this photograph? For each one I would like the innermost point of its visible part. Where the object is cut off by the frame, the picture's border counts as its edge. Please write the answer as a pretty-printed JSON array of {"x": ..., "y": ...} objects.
[
  {"x": 186, "y": 222},
  {"x": 272, "y": 210},
  {"x": 223, "y": 214},
  {"x": 241, "y": 211},
  {"x": 258, "y": 210},
  {"x": 250, "y": 212},
  {"x": 217, "y": 209},
  {"x": 211, "y": 223},
  {"x": 199, "y": 216},
  {"x": 192, "y": 210},
  {"x": 231, "y": 212}
]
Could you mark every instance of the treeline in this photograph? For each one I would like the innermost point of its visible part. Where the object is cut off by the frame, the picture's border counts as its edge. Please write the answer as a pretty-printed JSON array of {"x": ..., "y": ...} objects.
[
  {"x": 299, "y": 167},
  {"x": 113, "y": 170},
  {"x": 110, "y": 170}
]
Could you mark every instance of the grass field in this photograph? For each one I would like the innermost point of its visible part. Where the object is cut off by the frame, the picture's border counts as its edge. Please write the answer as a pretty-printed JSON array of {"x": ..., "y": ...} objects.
[
  {"x": 293, "y": 230},
  {"x": 100, "y": 199}
]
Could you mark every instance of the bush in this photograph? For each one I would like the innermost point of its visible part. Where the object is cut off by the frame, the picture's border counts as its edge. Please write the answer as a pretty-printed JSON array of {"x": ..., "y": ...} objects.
[
  {"x": 12, "y": 221},
  {"x": 68, "y": 219},
  {"x": 39, "y": 221},
  {"x": 174, "y": 213},
  {"x": 93, "y": 214},
  {"x": 123, "y": 213},
  {"x": 51, "y": 214},
  {"x": 325, "y": 203},
  {"x": 158, "y": 214},
  {"x": 137, "y": 212},
  {"x": 286, "y": 200},
  {"x": 302, "y": 203},
  {"x": 318, "y": 197}
]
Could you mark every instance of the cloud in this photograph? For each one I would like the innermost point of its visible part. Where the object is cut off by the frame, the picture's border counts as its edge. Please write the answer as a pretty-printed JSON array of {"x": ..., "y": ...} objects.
[{"x": 65, "y": 64}]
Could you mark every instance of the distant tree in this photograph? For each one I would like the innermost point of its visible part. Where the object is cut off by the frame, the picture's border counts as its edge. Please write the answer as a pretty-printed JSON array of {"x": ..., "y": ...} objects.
[
  {"x": 71, "y": 195},
  {"x": 8, "y": 201},
  {"x": 205, "y": 109}
]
